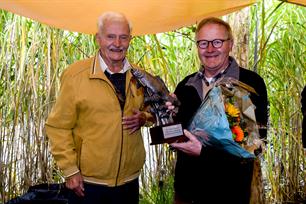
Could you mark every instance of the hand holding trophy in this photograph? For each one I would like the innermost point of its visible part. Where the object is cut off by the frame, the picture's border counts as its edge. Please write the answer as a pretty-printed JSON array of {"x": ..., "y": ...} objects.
[{"x": 157, "y": 94}]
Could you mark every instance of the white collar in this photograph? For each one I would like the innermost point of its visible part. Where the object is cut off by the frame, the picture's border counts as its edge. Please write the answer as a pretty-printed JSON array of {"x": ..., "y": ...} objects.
[
  {"x": 209, "y": 79},
  {"x": 126, "y": 65}
]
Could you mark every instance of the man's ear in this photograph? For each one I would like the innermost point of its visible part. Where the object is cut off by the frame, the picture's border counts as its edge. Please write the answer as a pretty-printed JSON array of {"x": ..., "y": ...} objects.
[
  {"x": 231, "y": 44},
  {"x": 97, "y": 36}
]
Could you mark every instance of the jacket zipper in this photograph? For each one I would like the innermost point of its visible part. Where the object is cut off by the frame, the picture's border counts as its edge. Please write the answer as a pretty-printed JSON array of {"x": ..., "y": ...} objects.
[
  {"x": 122, "y": 111},
  {"x": 120, "y": 150},
  {"x": 117, "y": 176}
]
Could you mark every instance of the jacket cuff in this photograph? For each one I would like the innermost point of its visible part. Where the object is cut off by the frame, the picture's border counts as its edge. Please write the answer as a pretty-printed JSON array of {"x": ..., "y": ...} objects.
[{"x": 70, "y": 171}]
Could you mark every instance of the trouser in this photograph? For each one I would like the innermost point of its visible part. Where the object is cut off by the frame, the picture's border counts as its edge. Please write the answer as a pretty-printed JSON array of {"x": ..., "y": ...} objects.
[{"x": 100, "y": 194}]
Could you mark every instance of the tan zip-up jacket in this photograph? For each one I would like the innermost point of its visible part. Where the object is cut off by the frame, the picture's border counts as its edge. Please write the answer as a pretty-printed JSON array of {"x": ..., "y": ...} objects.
[{"x": 85, "y": 126}]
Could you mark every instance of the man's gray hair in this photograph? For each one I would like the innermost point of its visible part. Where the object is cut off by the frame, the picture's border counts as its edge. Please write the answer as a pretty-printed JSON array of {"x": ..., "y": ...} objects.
[
  {"x": 218, "y": 21},
  {"x": 112, "y": 15}
]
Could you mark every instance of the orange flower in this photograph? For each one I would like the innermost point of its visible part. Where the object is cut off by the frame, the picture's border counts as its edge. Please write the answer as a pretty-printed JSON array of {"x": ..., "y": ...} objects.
[{"x": 236, "y": 130}]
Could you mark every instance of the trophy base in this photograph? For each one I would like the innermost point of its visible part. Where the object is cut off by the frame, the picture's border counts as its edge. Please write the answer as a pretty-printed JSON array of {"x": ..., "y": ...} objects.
[{"x": 167, "y": 134}]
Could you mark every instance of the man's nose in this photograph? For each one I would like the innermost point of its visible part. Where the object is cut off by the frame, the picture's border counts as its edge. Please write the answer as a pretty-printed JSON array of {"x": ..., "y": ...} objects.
[
  {"x": 117, "y": 42},
  {"x": 210, "y": 47}
]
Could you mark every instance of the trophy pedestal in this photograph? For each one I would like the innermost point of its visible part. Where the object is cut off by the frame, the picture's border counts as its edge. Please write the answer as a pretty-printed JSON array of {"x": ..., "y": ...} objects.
[{"x": 167, "y": 134}]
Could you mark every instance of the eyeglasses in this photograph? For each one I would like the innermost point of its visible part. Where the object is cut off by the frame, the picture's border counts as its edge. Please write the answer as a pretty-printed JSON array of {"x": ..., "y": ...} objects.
[{"x": 216, "y": 43}]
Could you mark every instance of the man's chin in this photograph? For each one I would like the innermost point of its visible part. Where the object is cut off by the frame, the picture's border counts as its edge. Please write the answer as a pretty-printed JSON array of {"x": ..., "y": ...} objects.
[
  {"x": 117, "y": 57},
  {"x": 212, "y": 67}
]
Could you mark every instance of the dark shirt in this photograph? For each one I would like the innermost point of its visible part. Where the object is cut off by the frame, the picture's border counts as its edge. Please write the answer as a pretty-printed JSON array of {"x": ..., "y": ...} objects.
[
  {"x": 118, "y": 80},
  {"x": 215, "y": 176}
]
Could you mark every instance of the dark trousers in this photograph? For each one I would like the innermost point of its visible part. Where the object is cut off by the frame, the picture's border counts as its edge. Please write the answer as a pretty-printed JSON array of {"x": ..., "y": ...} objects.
[{"x": 100, "y": 194}]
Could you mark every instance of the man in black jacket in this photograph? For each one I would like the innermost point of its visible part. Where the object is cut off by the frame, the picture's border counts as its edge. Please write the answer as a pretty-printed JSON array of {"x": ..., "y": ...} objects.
[{"x": 204, "y": 174}]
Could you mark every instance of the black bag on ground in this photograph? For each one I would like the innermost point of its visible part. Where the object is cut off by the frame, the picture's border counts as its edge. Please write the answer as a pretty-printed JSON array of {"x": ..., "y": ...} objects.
[{"x": 43, "y": 194}]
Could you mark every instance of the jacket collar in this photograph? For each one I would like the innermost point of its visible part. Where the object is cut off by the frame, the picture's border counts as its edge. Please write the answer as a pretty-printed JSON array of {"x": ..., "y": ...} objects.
[
  {"x": 97, "y": 73},
  {"x": 196, "y": 81}
]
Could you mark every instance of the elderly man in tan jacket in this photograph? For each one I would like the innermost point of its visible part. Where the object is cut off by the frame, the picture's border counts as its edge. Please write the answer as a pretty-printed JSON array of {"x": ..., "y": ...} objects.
[{"x": 94, "y": 126}]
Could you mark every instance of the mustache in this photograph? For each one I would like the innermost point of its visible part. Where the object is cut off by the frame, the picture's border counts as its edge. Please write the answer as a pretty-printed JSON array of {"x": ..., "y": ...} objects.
[{"x": 116, "y": 49}]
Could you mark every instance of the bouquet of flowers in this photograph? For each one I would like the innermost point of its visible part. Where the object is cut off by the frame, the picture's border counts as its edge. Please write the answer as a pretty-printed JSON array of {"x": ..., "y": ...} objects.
[{"x": 226, "y": 119}]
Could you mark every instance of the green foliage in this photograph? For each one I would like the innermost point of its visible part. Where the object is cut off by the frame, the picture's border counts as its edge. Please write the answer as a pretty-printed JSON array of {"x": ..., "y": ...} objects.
[
  {"x": 282, "y": 63},
  {"x": 159, "y": 191}
]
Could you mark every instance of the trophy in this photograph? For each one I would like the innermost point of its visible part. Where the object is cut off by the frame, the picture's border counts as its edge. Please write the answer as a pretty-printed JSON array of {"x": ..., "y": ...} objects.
[{"x": 156, "y": 95}]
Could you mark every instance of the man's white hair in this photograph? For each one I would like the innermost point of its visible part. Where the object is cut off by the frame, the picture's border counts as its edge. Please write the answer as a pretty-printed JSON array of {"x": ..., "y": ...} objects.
[{"x": 112, "y": 15}]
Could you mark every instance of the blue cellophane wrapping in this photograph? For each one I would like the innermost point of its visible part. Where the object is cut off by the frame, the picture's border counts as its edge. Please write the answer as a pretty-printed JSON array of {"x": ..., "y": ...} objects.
[{"x": 211, "y": 126}]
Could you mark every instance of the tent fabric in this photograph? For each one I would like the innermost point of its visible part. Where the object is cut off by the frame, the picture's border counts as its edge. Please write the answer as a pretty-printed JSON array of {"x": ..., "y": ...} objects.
[
  {"x": 147, "y": 17},
  {"x": 299, "y": 2}
]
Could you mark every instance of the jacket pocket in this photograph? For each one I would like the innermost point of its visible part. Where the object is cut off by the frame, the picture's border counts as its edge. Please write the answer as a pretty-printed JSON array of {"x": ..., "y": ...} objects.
[
  {"x": 98, "y": 163},
  {"x": 135, "y": 154}
]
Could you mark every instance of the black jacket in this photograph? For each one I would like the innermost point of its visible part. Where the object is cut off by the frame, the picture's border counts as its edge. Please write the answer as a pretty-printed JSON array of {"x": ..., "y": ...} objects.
[{"x": 216, "y": 177}]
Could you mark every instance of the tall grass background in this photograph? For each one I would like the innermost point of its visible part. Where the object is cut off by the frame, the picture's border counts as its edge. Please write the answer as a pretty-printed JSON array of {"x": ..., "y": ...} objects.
[{"x": 269, "y": 39}]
